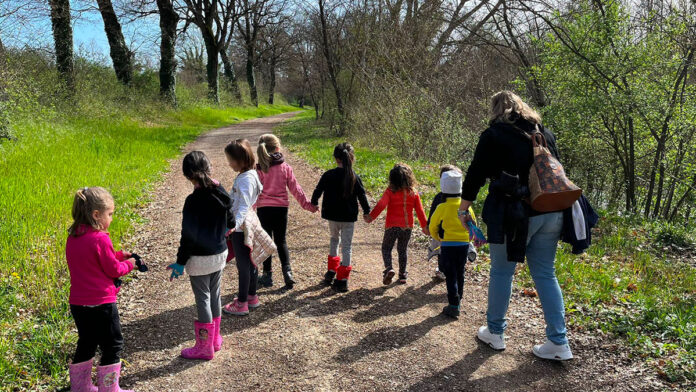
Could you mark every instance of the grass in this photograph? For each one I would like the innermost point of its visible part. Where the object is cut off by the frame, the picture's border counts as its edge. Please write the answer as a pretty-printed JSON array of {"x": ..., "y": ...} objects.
[
  {"x": 126, "y": 152},
  {"x": 625, "y": 284}
]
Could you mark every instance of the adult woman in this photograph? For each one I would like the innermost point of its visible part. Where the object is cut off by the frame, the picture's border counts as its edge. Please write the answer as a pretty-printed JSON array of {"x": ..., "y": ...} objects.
[{"x": 504, "y": 155}]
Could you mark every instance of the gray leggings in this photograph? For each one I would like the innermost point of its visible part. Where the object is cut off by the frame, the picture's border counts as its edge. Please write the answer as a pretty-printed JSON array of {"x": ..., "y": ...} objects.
[
  {"x": 206, "y": 289},
  {"x": 341, "y": 234}
]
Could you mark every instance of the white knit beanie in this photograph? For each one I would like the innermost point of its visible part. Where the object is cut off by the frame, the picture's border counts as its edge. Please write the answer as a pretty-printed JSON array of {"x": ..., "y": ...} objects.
[{"x": 451, "y": 182}]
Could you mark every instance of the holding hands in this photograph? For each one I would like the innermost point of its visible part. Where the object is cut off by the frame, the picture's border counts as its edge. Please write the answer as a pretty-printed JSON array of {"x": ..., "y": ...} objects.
[{"x": 367, "y": 218}]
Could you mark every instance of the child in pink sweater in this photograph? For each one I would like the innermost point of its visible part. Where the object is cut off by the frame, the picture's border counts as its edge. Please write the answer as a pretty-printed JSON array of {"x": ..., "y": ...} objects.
[
  {"x": 94, "y": 271},
  {"x": 272, "y": 206}
]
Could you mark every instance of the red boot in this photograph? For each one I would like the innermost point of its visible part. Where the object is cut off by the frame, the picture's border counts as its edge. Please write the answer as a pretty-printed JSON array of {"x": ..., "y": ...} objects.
[
  {"x": 332, "y": 266},
  {"x": 341, "y": 283}
]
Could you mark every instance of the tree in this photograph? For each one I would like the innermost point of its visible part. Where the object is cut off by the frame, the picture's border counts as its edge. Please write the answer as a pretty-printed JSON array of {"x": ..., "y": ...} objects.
[
  {"x": 256, "y": 16},
  {"x": 275, "y": 46},
  {"x": 215, "y": 19},
  {"x": 63, "y": 41},
  {"x": 169, "y": 19},
  {"x": 121, "y": 56}
]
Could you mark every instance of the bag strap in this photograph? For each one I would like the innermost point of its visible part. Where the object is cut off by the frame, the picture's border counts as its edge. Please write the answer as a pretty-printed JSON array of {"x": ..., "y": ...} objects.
[{"x": 538, "y": 138}]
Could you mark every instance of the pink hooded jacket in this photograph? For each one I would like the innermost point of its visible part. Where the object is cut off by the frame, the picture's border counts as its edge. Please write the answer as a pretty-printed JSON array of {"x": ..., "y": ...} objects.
[
  {"x": 93, "y": 266},
  {"x": 276, "y": 183}
]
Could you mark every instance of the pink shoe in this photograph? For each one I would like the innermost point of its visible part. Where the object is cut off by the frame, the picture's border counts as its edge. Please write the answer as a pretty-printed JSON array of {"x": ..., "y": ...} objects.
[
  {"x": 217, "y": 342},
  {"x": 237, "y": 308},
  {"x": 253, "y": 301},
  {"x": 205, "y": 334},
  {"x": 108, "y": 377},
  {"x": 81, "y": 377}
]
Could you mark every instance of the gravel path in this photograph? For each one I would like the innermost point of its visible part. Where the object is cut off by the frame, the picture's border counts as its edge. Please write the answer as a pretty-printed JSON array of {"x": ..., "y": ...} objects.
[{"x": 373, "y": 338}]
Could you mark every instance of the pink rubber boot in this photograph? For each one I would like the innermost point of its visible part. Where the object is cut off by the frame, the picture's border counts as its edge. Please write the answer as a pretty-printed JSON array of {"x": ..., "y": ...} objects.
[
  {"x": 217, "y": 342},
  {"x": 81, "y": 377},
  {"x": 108, "y": 377},
  {"x": 205, "y": 335}
]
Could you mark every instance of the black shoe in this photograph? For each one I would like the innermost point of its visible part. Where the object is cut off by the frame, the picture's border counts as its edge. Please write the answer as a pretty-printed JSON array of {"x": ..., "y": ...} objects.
[
  {"x": 266, "y": 280},
  {"x": 329, "y": 277},
  {"x": 402, "y": 279},
  {"x": 451, "y": 311},
  {"x": 341, "y": 285},
  {"x": 289, "y": 280}
]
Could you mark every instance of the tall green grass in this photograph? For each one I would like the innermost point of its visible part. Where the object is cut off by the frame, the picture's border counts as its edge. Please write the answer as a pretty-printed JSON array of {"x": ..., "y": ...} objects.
[
  {"x": 124, "y": 150},
  {"x": 637, "y": 281}
]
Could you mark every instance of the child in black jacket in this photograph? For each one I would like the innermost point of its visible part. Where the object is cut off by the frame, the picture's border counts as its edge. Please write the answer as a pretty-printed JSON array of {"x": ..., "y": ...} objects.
[
  {"x": 342, "y": 190},
  {"x": 207, "y": 216}
]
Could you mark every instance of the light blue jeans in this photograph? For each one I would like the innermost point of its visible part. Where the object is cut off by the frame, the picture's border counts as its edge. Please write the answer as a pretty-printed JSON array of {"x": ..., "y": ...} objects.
[{"x": 542, "y": 242}]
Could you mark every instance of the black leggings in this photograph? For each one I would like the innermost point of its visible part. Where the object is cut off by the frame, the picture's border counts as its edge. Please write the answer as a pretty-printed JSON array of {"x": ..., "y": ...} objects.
[
  {"x": 97, "y": 326},
  {"x": 453, "y": 260},
  {"x": 248, "y": 274},
  {"x": 400, "y": 236},
  {"x": 275, "y": 221}
]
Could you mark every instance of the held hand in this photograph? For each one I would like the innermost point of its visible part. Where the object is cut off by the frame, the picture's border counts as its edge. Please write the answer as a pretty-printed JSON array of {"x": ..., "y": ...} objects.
[
  {"x": 426, "y": 231},
  {"x": 313, "y": 208},
  {"x": 465, "y": 219},
  {"x": 126, "y": 255},
  {"x": 367, "y": 218},
  {"x": 177, "y": 270}
]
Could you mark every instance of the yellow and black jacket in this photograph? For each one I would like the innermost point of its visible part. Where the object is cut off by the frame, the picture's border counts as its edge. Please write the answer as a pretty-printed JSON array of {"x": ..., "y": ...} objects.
[{"x": 445, "y": 225}]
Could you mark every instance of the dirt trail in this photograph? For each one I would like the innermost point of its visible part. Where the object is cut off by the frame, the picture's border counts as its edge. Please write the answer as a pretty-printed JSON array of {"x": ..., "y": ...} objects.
[{"x": 373, "y": 338}]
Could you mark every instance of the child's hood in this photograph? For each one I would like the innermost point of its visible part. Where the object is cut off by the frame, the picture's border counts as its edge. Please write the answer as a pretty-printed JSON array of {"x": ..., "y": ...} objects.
[{"x": 277, "y": 158}]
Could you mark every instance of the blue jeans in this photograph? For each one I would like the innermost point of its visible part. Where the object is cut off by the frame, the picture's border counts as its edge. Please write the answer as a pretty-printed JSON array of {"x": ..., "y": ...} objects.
[{"x": 542, "y": 242}]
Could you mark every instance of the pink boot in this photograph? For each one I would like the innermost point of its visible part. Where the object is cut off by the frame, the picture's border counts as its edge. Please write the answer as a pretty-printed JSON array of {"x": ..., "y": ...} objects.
[
  {"x": 205, "y": 335},
  {"x": 217, "y": 342},
  {"x": 253, "y": 301},
  {"x": 237, "y": 308},
  {"x": 108, "y": 377},
  {"x": 81, "y": 377}
]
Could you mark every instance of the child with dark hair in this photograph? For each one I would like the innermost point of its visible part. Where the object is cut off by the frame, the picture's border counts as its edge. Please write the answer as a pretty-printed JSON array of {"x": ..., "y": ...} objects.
[
  {"x": 207, "y": 216},
  {"x": 400, "y": 199},
  {"x": 94, "y": 267},
  {"x": 342, "y": 189},
  {"x": 245, "y": 191}
]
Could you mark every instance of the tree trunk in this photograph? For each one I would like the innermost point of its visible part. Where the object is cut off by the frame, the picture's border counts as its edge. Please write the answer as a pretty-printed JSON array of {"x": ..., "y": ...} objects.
[
  {"x": 251, "y": 78},
  {"x": 212, "y": 70},
  {"x": 2, "y": 50},
  {"x": 231, "y": 76},
  {"x": 120, "y": 55},
  {"x": 167, "y": 73},
  {"x": 331, "y": 67},
  {"x": 631, "y": 190},
  {"x": 271, "y": 79},
  {"x": 658, "y": 196},
  {"x": 63, "y": 40}
]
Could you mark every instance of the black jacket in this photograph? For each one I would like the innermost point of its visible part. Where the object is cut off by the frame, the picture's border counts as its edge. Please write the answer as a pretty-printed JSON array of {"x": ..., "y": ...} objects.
[
  {"x": 207, "y": 216},
  {"x": 334, "y": 206},
  {"x": 504, "y": 155},
  {"x": 568, "y": 233}
]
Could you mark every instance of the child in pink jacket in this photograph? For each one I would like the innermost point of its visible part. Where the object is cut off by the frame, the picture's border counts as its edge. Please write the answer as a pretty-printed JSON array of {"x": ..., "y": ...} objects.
[
  {"x": 272, "y": 206},
  {"x": 94, "y": 271}
]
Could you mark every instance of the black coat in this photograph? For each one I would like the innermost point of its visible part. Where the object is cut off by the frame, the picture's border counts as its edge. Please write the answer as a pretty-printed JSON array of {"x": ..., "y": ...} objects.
[
  {"x": 207, "y": 216},
  {"x": 335, "y": 206},
  {"x": 504, "y": 155},
  {"x": 568, "y": 234}
]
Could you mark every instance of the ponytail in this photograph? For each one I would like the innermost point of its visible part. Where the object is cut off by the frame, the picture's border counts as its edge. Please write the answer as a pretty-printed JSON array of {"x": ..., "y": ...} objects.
[
  {"x": 346, "y": 154},
  {"x": 86, "y": 201},
  {"x": 267, "y": 142},
  {"x": 196, "y": 167}
]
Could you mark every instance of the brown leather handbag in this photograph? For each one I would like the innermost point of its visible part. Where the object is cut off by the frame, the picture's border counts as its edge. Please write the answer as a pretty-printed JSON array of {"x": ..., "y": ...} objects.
[{"x": 550, "y": 189}]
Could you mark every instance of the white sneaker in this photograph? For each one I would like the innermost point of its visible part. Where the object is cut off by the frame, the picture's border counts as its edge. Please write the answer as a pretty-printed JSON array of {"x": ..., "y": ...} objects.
[
  {"x": 497, "y": 342},
  {"x": 553, "y": 351}
]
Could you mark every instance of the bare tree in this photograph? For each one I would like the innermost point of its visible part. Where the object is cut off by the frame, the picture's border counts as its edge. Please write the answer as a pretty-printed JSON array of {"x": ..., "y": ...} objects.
[
  {"x": 216, "y": 20},
  {"x": 63, "y": 40},
  {"x": 168, "y": 21},
  {"x": 121, "y": 56},
  {"x": 275, "y": 45}
]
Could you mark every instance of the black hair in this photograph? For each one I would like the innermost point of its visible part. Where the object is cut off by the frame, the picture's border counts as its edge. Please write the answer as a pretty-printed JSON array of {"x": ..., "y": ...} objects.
[
  {"x": 196, "y": 167},
  {"x": 346, "y": 154}
]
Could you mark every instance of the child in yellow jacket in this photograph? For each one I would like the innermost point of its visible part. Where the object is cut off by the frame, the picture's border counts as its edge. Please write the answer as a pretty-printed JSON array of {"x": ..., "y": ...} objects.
[{"x": 446, "y": 227}]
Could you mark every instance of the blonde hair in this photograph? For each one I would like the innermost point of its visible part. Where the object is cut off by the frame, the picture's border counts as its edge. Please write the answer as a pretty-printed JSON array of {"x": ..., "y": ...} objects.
[
  {"x": 508, "y": 107},
  {"x": 267, "y": 142},
  {"x": 86, "y": 201}
]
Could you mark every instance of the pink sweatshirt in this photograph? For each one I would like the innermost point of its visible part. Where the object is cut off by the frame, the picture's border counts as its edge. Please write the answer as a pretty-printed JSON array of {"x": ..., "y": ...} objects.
[
  {"x": 274, "y": 192},
  {"x": 93, "y": 266}
]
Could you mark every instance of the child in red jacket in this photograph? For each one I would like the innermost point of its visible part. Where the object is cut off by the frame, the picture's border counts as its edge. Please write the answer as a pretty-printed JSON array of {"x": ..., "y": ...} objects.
[
  {"x": 94, "y": 267},
  {"x": 400, "y": 199}
]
